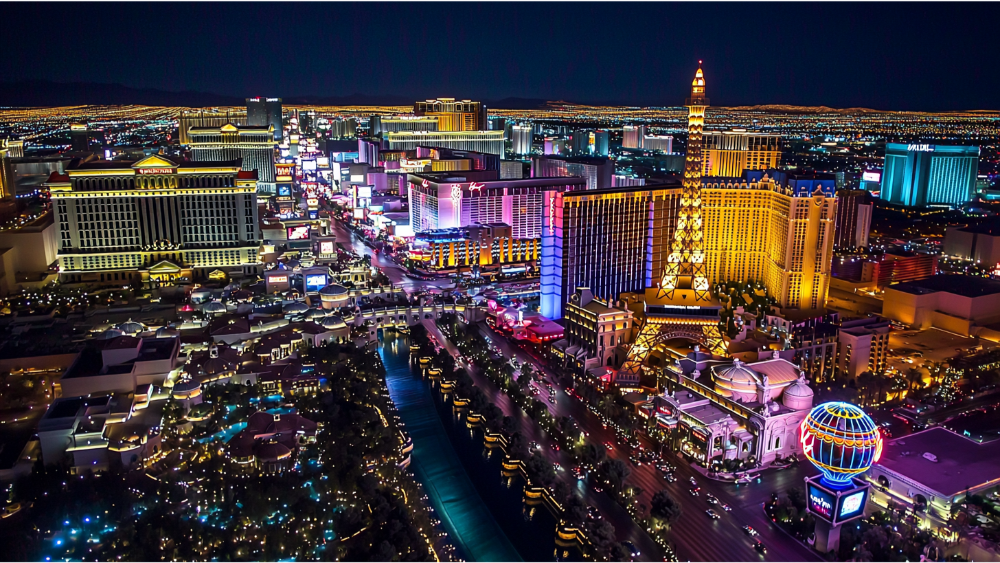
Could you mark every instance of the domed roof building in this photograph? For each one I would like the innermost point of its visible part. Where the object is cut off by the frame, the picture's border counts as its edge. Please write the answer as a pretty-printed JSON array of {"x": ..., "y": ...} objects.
[
  {"x": 334, "y": 296},
  {"x": 130, "y": 327},
  {"x": 746, "y": 412}
]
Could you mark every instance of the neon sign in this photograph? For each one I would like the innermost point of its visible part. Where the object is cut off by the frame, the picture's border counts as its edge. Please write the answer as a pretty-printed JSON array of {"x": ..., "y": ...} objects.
[
  {"x": 473, "y": 187},
  {"x": 425, "y": 183},
  {"x": 456, "y": 193},
  {"x": 278, "y": 279},
  {"x": 920, "y": 148},
  {"x": 155, "y": 171}
]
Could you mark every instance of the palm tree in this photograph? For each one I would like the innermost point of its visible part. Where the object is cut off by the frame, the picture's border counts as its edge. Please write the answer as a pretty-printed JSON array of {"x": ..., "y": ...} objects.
[{"x": 914, "y": 377}]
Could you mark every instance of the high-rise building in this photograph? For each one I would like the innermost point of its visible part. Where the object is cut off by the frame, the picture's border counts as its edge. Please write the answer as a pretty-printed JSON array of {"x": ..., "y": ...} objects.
[
  {"x": 632, "y": 136},
  {"x": 392, "y": 124},
  {"x": 759, "y": 229},
  {"x": 918, "y": 175},
  {"x": 207, "y": 118},
  {"x": 601, "y": 143},
  {"x": 491, "y": 142},
  {"x": 15, "y": 149},
  {"x": 262, "y": 112},
  {"x": 854, "y": 218},
  {"x": 580, "y": 139},
  {"x": 7, "y": 184},
  {"x": 155, "y": 220},
  {"x": 597, "y": 171},
  {"x": 454, "y": 115},
  {"x": 611, "y": 241},
  {"x": 253, "y": 145},
  {"x": 521, "y": 139},
  {"x": 658, "y": 143},
  {"x": 79, "y": 137},
  {"x": 344, "y": 128},
  {"x": 496, "y": 124},
  {"x": 728, "y": 153},
  {"x": 459, "y": 199},
  {"x": 622, "y": 181},
  {"x": 374, "y": 125},
  {"x": 596, "y": 331}
]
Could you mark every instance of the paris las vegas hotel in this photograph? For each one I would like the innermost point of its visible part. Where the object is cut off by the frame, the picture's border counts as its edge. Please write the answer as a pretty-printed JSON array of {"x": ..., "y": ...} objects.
[{"x": 155, "y": 220}]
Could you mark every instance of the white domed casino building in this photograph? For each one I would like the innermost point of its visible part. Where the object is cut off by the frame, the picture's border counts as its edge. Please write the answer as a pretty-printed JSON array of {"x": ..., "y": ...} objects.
[{"x": 718, "y": 410}]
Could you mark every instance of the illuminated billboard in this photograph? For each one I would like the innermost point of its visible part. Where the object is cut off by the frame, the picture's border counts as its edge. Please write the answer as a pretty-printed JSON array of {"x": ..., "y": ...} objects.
[
  {"x": 312, "y": 202},
  {"x": 326, "y": 247},
  {"x": 300, "y": 232},
  {"x": 871, "y": 176},
  {"x": 277, "y": 279},
  {"x": 316, "y": 282},
  {"x": 309, "y": 165},
  {"x": 852, "y": 505},
  {"x": 364, "y": 191},
  {"x": 284, "y": 190},
  {"x": 820, "y": 502}
]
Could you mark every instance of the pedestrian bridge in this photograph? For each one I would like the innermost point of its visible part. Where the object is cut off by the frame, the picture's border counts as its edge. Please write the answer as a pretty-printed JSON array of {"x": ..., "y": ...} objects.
[{"x": 405, "y": 316}]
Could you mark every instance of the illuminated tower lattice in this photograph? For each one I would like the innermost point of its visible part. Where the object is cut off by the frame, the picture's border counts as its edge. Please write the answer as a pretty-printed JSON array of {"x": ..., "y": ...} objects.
[{"x": 685, "y": 267}]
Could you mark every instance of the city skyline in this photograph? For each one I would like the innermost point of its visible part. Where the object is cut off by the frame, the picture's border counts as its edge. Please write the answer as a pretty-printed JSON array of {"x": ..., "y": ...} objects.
[
  {"x": 537, "y": 51},
  {"x": 278, "y": 329}
]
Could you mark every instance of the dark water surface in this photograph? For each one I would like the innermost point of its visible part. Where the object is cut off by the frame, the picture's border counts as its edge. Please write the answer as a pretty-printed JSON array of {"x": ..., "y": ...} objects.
[{"x": 483, "y": 512}]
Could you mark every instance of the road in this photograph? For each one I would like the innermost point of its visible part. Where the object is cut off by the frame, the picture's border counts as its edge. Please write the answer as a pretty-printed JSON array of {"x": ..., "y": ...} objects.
[
  {"x": 395, "y": 272},
  {"x": 695, "y": 536}
]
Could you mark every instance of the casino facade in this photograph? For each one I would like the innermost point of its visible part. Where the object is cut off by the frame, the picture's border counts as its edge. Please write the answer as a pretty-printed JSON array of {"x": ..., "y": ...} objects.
[{"x": 155, "y": 220}]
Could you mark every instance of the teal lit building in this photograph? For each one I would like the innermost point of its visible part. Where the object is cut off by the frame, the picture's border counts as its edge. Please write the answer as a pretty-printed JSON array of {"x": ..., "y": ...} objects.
[{"x": 919, "y": 175}]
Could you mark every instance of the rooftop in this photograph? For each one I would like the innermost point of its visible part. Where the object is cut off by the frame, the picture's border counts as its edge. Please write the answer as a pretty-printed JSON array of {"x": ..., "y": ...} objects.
[
  {"x": 958, "y": 284},
  {"x": 961, "y": 463}
]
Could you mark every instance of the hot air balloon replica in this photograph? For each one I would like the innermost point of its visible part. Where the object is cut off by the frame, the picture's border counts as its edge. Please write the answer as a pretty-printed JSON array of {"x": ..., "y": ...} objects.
[{"x": 842, "y": 442}]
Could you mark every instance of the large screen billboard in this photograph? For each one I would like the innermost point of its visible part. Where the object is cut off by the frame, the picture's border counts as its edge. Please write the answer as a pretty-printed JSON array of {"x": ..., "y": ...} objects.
[
  {"x": 852, "y": 504},
  {"x": 300, "y": 232},
  {"x": 871, "y": 176},
  {"x": 326, "y": 247},
  {"x": 315, "y": 282}
]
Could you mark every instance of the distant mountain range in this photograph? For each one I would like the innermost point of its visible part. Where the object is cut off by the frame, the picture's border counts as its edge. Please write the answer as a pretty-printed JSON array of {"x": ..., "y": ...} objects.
[{"x": 45, "y": 93}]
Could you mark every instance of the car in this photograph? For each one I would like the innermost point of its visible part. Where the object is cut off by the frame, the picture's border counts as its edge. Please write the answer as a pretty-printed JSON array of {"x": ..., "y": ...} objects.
[
  {"x": 712, "y": 514},
  {"x": 608, "y": 445},
  {"x": 533, "y": 446},
  {"x": 694, "y": 492},
  {"x": 726, "y": 507},
  {"x": 555, "y": 447},
  {"x": 556, "y": 467},
  {"x": 749, "y": 531},
  {"x": 632, "y": 549},
  {"x": 593, "y": 513},
  {"x": 670, "y": 478},
  {"x": 711, "y": 499},
  {"x": 759, "y": 546},
  {"x": 693, "y": 481}
]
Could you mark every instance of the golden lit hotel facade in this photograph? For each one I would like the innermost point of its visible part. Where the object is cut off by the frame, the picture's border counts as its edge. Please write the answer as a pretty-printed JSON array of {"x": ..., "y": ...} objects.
[
  {"x": 729, "y": 153},
  {"x": 155, "y": 220},
  {"x": 780, "y": 236}
]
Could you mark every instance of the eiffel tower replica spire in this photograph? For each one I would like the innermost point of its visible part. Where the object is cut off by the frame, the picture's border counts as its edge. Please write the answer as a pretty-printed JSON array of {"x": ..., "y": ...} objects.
[{"x": 685, "y": 268}]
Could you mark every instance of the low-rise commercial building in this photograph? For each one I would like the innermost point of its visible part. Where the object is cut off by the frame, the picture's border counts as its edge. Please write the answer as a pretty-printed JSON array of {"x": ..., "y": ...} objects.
[
  {"x": 957, "y": 303},
  {"x": 597, "y": 333},
  {"x": 474, "y": 248}
]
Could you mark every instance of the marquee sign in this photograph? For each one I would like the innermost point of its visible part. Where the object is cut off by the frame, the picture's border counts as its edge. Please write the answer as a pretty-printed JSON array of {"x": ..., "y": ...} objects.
[
  {"x": 920, "y": 148},
  {"x": 145, "y": 171}
]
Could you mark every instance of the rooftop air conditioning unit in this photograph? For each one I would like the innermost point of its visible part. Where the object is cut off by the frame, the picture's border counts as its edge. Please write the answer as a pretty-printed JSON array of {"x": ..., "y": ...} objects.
[{"x": 930, "y": 457}]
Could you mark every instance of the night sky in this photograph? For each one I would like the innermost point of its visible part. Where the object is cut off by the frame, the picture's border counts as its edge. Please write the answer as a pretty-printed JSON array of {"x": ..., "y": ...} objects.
[{"x": 905, "y": 56}]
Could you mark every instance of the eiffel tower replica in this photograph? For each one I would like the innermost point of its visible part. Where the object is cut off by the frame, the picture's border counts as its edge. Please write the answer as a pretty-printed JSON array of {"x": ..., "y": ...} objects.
[{"x": 682, "y": 305}]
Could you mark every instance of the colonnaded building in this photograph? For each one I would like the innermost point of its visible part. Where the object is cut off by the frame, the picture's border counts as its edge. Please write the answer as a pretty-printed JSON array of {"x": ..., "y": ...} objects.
[{"x": 155, "y": 220}]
